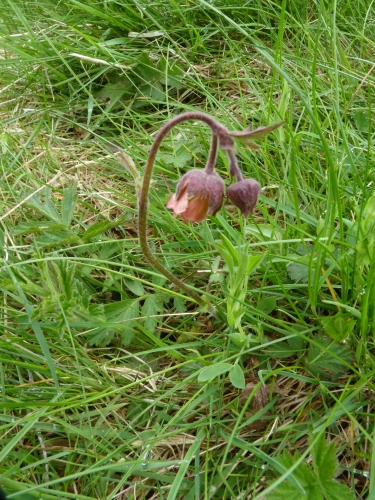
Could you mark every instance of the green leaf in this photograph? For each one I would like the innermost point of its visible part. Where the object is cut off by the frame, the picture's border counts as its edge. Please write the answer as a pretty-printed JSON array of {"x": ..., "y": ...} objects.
[
  {"x": 361, "y": 120},
  {"x": 147, "y": 69},
  {"x": 151, "y": 307},
  {"x": 68, "y": 203},
  {"x": 179, "y": 305},
  {"x": 298, "y": 272},
  {"x": 129, "y": 319},
  {"x": 100, "y": 228},
  {"x": 339, "y": 326},
  {"x": 237, "y": 377},
  {"x": 325, "y": 465},
  {"x": 171, "y": 73},
  {"x": 280, "y": 350},
  {"x": 213, "y": 371},
  {"x": 47, "y": 207},
  {"x": 267, "y": 305},
  {"x": 154, "y": 91},
  {"x": 338, "y": 491},
  {"x": 40, "y": 226},
  {"x": 118, "y": 318},
  {"x": 329, "y": 361},
  {"x": 317, "y": 481},
  {"x": 303, "y": 474},
  {"x": 324, "y": 459},
  {"x": 135, "y": 287}
]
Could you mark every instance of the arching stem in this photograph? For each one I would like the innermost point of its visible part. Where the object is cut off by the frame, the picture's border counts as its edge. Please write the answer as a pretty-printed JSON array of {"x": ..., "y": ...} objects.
[{"x": 217, "y": 131}]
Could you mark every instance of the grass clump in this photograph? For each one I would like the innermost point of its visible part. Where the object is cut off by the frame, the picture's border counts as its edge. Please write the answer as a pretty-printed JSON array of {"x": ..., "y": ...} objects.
[{"x": 114, "y": 384}]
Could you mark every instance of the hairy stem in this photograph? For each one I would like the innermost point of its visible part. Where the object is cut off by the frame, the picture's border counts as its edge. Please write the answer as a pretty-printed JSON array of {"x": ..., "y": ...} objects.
[
  {"x": 234, "y": 168},
  {"x": 217, "y": 130},
  {"x": 210, "y": 165}
]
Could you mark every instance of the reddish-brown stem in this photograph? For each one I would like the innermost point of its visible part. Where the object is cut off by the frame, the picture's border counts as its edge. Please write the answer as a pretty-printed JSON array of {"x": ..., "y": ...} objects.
[
  {"x": 235, "y": 170},
  {"x": 218, "y": 131}
]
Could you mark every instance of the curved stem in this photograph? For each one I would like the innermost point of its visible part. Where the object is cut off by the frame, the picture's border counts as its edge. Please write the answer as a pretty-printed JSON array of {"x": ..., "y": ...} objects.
[
  {"x": 210, "y": 165},
  {"x": 217, "y": 130},
  {"x": 234, "y": 168}
]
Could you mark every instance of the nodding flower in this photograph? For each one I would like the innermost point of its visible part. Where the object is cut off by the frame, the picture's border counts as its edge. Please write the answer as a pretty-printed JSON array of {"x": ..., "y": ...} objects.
[
  {"x": 244, "y": 195},
  {"x": 200, "y": 192},
  {"x": 198, "y": 195}
]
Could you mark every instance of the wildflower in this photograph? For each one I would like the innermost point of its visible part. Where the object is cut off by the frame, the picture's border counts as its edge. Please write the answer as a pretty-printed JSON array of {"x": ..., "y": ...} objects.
[
  {"x": 198, "y": 194},
  {"x": 244, "y": 194}
]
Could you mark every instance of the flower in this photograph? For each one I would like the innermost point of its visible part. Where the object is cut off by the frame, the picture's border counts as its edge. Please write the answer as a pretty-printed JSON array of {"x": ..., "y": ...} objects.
[
  {"x": 244, "y": 194},
  {"x": 198, "y": 194}
]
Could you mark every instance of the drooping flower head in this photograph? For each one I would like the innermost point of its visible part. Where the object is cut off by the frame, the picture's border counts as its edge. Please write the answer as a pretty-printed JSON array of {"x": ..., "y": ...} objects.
[
  {"x": 198, "y": 194},
  {"x": 244, "y": 194}
]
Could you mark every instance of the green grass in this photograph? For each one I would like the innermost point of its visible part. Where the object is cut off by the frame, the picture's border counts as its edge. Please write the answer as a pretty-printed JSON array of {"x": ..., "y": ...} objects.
[{"x": 110, "y": 384}]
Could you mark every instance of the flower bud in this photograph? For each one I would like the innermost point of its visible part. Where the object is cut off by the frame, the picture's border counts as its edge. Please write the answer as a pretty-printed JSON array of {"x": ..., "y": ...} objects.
[
  {"x": 198, "y": 194},
  {"x": 244, "y": 195}
]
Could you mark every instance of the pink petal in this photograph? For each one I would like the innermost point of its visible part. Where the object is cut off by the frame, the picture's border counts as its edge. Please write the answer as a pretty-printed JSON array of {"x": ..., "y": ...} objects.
[
  {"x": 171, "y": 202},
  {"x": 197, "y": 208}
]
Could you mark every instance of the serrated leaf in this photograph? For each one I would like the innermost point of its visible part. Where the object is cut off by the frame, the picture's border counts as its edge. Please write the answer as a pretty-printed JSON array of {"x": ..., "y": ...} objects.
[
  {"x": 179, "y": 305},
  {"x": 237, "y": 377},
  {"x": 118, "y": 318},
  {"x": 298, "y": 272},
  {"x": 213, "y": 371},
  {"x": 115, "y": 90},
  {"x": 324, "y": 459},
  {"x": 329, "y": 361},
  {"x": 68, "y": 203},
  {"x": 339, "y": 326},
  {"x": 39, "y": 227},
  {"x": 280, "y": 350},
  {"x": 338, "y": 491},
  {"x": 267, "y": 305},
  {"x": 317, "y": 484},
  {"x": 171, "y": 73},
  {"x": 361, "y": 120},
  {"x": 100, "y": 228},
  {"x": 216, "y": 278},
  {"x": 180, "y": 159},
  {"x": 303, "y": 474},
  {"x": 47, "y": 207},
  {"x": 154, "y": 91},
  {"x": 151, "y": 307},
  {"x": 135, "y": 287},
  {"x": 129, "y": 320},
  {"x": 146, "y": 68},
  {"x": 325, "y": 466}
]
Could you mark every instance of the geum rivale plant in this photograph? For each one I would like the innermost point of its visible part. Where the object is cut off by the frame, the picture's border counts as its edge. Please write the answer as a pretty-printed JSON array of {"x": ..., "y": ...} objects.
[{"x": 200, "y": 193}]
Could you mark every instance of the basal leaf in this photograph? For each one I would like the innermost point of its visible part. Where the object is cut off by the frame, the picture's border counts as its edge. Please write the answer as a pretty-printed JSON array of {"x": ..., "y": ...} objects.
[
  {"x": 135, "y": 287},
  {"x": 171, "y": 73},
  {"x": 324, "y": 459},
  {"x": 179, "y": 305},
  {"x": 280, "y": 350},
  {"x": 267, "y": 305},
  {"x": 213, "y": 371},
  {"x": 298, "y": 272},
  {"x": 237, "y": 377},
  {"x": 339, "y": 326},
  {"x": 337, "y": 491},
  {"x": 325, "y": 466},
  {"x": 151, "y": 307},
  {"x": 100, "y": 227},
  {"x": 68, "y": 203},
  {"x": 305, "y": 477},
  {"x": 328, "y": 361}
]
